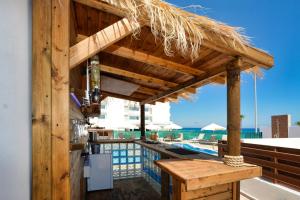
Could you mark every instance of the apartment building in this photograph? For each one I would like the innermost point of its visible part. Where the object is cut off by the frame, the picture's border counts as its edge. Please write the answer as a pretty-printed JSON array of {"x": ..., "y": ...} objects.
[{"x": 121, "y": 114}]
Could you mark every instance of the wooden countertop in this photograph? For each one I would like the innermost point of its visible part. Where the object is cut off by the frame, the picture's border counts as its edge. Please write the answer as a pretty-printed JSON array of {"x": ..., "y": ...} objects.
[
  {"x": 197, "y": 174},
  {"x": 161, "y": 148}
]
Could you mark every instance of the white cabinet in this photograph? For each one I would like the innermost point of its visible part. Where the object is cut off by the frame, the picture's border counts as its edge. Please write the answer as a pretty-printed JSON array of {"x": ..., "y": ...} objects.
[{"x": 100, "y": 173}]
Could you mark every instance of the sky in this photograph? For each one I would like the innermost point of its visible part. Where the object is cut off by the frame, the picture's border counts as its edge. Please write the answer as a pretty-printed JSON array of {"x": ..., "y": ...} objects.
[{"x": 274, "y": 26}]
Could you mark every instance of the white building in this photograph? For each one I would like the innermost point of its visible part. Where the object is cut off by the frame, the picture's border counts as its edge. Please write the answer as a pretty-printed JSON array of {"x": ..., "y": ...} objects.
[{"x": 121, "y": 114}]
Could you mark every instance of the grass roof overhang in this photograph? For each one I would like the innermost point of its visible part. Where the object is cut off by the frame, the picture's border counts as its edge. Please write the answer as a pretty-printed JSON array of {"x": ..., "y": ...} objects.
[{"x": 166, "y": 51}]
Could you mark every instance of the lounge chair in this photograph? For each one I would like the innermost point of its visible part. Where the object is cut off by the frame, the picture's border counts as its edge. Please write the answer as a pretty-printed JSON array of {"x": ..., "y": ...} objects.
[
  {"x": 199, "y": 138},
  {"x": 212, "y": 140},
  {"x": 180, "y": 138},
  {"x": 224, "y": 137},
  {"x": 168, "y": 138},
  {"x": 121, "y": 136}
]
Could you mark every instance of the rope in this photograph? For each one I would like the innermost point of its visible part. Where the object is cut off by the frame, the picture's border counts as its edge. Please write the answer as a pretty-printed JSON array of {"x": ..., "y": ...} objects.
[{"x": 234, "y": 161}]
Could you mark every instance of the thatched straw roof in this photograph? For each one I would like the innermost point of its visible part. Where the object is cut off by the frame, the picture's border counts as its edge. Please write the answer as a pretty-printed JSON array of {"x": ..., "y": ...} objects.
[{"x": 177, "y": 28}]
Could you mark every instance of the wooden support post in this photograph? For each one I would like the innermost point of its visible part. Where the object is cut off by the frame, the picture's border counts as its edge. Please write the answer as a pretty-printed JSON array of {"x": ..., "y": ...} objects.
[
  {"x": 60, "y": 99},
  {"x": 143, "y": 132},
  {"x": 50, "y": 100},
  {"x": 41, "y": 100},
  {"x": 233, "y": 114},
  {"x": 165, "y": 182},
  {"x": 233, "y": 109}
]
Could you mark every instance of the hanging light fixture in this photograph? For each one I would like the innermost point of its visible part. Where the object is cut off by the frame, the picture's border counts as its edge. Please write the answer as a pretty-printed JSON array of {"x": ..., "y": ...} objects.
[{"x": 95, "y": 80}]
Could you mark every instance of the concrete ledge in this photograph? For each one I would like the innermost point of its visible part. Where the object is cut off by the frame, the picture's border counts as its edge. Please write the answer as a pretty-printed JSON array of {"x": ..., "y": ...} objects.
[{"x": 263, "y": 190}]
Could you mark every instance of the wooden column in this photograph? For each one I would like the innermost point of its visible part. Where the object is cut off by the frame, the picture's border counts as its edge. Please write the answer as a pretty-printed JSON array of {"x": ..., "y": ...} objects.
[
  {"x": 233, "y": 109},
  {"x": 60, "y": 99},
  {"x": 234, "y": 115},
  {"x": 143, "y": 132},
  {"x": 50, "y": 100},
  {"x": 41, "y": 100}
]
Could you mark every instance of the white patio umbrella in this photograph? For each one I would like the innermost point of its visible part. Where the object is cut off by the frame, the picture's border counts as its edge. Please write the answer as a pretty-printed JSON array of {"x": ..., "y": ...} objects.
[
  {"x": 172, "y": 126},
  {"x": 213, "y": 127},
  {"x": 152, "y": 127}
]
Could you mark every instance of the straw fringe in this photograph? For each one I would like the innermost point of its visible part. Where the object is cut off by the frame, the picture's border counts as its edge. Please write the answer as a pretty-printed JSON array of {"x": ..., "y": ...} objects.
[{"x": 178, "y": 28}]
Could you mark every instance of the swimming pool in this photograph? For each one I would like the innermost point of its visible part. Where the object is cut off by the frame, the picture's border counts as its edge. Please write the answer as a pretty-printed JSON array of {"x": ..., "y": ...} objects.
[{"x": 197, "y": 149}]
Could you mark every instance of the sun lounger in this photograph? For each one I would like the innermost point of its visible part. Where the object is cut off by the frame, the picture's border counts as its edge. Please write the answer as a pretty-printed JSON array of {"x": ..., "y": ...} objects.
[
  {"x": 224, "y": 137},
  {"x": 199, "y": 138},
  {"x": 212, "y": 140},
  {"x": 180, "y": 138}
]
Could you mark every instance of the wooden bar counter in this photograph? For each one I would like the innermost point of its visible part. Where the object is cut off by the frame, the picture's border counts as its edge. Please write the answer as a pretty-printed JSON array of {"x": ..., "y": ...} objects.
[{"x": 205, "y": 179}]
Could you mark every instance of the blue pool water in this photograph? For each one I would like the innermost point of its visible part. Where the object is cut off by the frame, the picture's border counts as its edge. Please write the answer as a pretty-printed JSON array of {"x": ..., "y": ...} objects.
[{"x": 196, "y": 149}]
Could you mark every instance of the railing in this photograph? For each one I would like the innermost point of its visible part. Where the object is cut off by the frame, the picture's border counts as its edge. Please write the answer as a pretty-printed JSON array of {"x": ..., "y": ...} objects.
[
  {"x": 280, "y": 165},
  {"x": 187, "y": 134}
]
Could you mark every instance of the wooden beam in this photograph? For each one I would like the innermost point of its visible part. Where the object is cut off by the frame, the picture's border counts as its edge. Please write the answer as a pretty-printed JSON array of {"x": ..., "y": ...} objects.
[
  {"x": 60, "y": 99},
  {"x": 120, "y": 96},
  {"x": 208, "y": 75},
  {"x": 99, "y": 41},
  {"x": 41, "y": 100},
  {"x": 137, "y": 76},
  {"x": 255, "y": 56},
  {"x": 152, "y": 60}
]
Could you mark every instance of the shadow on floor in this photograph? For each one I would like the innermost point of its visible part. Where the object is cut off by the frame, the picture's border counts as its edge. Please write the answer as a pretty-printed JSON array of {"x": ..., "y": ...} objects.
[{"x": 127, "y": 189}]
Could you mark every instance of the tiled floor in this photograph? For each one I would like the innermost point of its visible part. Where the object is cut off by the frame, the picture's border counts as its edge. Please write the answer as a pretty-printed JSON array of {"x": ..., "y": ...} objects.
[{"x": 127, "y": 189}]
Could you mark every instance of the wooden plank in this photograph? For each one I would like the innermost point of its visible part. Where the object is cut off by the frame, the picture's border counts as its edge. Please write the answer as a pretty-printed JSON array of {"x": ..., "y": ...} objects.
[
  {"x": 204, "y": 77},
  {"x": 121, "y": 96},
  {"x": 60, "y": 99},
  {"x": 99, "y": 41},
  {"x": 41, "y": 100},
  {"x": 165, "y": 182},
  {"x": 254, "y": 56},
  {"x": 178, "y": 190},
  {"x": 209, "y": 191},
  {"x": 233, "y": 108},
  {"x": 151, "y": 60},
  {"x": 137, "y": 76}
]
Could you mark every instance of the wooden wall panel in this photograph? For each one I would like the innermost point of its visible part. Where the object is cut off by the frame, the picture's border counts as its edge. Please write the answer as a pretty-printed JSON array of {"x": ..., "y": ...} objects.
[{"x": 76, "y": 175}]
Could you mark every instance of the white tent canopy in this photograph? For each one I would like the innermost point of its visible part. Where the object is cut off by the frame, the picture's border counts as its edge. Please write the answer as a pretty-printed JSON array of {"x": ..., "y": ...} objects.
[{"x": 213, "y": 127}]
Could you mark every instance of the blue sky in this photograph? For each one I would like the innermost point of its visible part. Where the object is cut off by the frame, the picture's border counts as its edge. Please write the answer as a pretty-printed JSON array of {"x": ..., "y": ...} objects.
[{"x": 274, "y": 26}]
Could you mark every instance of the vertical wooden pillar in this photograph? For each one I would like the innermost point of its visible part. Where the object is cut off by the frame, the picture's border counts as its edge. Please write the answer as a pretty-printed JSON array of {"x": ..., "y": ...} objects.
[
  {"x": 233, "y": 109},
  {"x": 143, "y": 132},
  {"x": 60, "y": 99},
  {"x": 50, "y": 99},
  {"x": 41, "y": 100},
  {"x": 234, "y": 115}
]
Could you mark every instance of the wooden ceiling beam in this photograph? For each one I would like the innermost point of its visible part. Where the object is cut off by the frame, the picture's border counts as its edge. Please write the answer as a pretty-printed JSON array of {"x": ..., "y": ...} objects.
[
  {"x": 152, "y": 60},
  {"x": 141, "y": 77},
  {"x": 120, "y": 96},
  {"x": 255, "y": 56},
  {"x": 99, "y": 41},
  {"x": 197, "y": 80}
]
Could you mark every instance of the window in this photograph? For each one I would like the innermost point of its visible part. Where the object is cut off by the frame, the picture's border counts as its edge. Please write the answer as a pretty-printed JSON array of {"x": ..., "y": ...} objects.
[
  {"x": 102, "y": 116},
  {"x": 134, "y": 108},
  {"x": 134, "y": 117}
]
